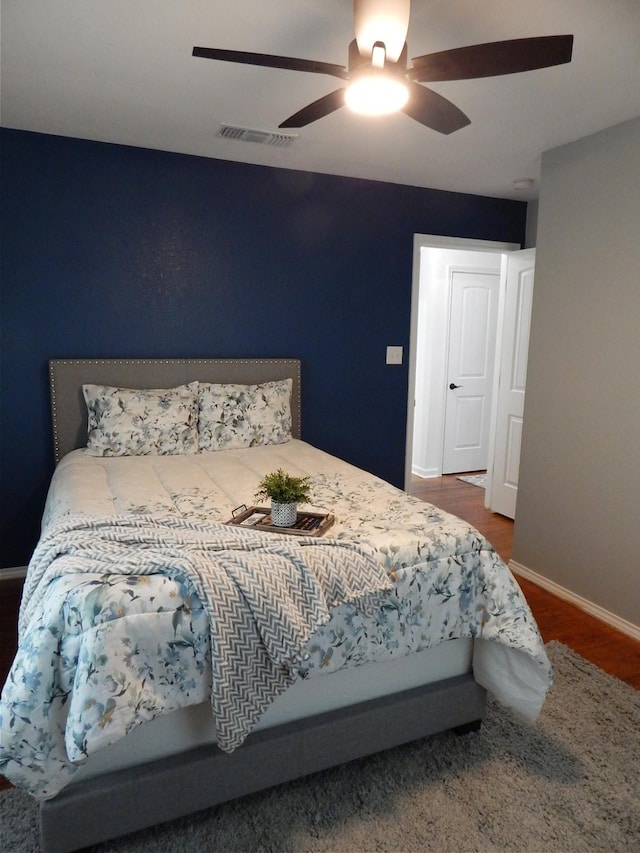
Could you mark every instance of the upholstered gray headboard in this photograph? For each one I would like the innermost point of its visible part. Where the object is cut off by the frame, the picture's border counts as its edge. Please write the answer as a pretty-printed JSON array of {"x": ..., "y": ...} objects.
[{"x": 66, "y": 377}]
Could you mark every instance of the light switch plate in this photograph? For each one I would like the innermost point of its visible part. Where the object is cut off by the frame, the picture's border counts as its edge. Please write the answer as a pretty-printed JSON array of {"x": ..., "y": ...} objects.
[{"x": 394, "y": 355}]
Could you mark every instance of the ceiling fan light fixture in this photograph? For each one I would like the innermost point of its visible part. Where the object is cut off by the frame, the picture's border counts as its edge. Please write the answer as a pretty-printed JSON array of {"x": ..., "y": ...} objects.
[
  {"x": 376, "y": 93},
  {"x": 381, "y": 20},
  {"x": 378, "y": 55},
  {"x": 378, "y": 79}
]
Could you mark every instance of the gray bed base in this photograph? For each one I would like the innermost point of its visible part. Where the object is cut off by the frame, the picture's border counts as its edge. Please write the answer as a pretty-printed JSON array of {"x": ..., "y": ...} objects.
[
  {"x": 129, "y": 800},
  {"x": 125, "y": 801}
]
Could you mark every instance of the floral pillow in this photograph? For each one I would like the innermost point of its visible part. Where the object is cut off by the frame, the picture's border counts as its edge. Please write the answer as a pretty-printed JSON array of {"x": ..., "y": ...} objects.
[
  {"x": 234, "y": 416},
  {"x": 142, "y": 422}
]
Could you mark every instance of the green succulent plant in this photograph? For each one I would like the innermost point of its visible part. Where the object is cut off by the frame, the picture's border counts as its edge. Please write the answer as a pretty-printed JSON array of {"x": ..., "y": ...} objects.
[{"x": 284, "y": 488}]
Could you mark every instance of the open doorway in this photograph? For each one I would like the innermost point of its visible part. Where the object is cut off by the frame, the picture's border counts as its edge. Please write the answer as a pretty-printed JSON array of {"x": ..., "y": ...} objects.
[{"x": 453, "y": 279}]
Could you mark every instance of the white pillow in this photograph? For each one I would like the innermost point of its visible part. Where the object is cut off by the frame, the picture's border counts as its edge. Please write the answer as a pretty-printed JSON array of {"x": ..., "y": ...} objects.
[
  {"x": 141, "y": 422},
  {"x": 232, "y": 415}
]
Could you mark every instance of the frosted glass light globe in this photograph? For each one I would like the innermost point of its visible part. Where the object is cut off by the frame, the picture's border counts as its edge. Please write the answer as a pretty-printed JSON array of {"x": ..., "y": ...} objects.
[{"x": 376, "y": 95}]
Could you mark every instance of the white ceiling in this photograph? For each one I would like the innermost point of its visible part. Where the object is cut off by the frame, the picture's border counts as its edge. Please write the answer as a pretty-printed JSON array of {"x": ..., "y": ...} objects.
[{"x": 121, "y": 71}]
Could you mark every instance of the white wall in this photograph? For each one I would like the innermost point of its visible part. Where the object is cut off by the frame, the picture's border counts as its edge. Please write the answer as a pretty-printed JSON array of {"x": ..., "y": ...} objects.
[
  {"x": 578, "y": 518},
  {"x": 431, "y": 346}
]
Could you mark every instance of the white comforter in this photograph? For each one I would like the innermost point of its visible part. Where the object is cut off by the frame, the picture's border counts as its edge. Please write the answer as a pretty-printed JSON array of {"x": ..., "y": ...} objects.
[{"x": 104, "y": 652}]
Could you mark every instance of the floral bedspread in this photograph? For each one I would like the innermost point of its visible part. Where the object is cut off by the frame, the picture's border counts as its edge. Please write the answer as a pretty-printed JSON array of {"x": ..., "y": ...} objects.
[{"x": 105, "y": 651}]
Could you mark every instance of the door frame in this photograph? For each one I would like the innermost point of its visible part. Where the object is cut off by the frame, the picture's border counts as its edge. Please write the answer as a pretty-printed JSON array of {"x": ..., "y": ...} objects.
[{"x": 432, "y": 241}]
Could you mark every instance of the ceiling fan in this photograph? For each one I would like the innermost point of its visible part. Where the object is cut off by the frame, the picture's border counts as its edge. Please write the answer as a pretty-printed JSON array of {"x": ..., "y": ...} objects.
[{"x": 377, "y": 68}]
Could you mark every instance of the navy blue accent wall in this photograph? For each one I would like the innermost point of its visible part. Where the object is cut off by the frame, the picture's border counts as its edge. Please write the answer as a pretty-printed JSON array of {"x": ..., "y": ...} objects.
[{"x": 110, "y": 251}]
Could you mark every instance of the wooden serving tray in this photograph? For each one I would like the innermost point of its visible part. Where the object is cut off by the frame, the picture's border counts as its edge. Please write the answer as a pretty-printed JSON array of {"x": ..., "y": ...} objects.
[{"x": 259, "y": 518}]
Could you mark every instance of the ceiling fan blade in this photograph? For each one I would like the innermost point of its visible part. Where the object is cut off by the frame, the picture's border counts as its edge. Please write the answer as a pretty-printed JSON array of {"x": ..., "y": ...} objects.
[
  {"x": 492, "y": 59},
  {"x": 318, "y": 109},
  {"x": 269, "y": 60},
  {"x": 433, "y": 110}
]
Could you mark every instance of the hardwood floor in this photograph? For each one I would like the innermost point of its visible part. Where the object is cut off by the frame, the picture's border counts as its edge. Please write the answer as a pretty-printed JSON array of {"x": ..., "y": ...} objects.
[
  {"x": 609, "y": 649},
  {"x": 10, "y": 593}
]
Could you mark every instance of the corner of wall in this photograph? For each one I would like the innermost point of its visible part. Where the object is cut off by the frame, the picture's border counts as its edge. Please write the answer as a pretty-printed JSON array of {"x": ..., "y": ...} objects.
[{"x": 531, "y": 228}]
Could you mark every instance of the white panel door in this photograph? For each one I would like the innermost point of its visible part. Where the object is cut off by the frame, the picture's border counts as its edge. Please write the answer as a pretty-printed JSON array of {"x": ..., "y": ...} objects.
[
  {"x": 518, "y": 272},
  {"x": 470, "y": 369}
]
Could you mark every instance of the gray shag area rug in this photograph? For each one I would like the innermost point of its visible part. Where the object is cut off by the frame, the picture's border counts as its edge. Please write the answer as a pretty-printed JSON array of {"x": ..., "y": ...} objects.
[{"x": 571, "y": 782}]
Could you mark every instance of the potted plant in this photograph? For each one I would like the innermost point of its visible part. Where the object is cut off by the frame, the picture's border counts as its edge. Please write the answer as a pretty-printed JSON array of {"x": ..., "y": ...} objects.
[{"x": 286, "y": 492}]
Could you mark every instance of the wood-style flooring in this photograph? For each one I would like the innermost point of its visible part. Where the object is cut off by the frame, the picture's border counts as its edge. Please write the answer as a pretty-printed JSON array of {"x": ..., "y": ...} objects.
[{"x": 604, "y": 646}]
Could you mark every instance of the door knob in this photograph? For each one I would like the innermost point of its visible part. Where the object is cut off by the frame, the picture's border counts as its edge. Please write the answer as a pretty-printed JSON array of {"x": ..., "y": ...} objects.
[{"x": 453, "y": 386}]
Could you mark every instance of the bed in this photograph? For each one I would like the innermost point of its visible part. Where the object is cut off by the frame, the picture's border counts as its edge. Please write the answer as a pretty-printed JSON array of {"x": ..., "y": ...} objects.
[{"x": 131, "y": 685}]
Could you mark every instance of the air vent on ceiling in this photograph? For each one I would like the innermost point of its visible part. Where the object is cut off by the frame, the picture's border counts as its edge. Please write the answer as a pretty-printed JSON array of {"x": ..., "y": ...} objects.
[{"x": 262, "y": 137}]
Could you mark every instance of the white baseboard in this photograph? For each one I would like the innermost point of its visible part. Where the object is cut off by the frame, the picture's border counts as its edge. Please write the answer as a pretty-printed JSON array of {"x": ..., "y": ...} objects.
[
  {"x": 426, "y": 473},
  {"x": 11, "y": 574},
  {"x": 584, "y": 604}
]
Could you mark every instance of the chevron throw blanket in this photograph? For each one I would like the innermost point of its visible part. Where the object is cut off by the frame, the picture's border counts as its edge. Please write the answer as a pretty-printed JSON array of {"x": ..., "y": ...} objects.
[{"x": 265, "y": 594}]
